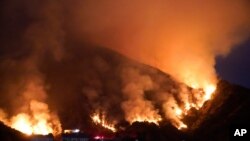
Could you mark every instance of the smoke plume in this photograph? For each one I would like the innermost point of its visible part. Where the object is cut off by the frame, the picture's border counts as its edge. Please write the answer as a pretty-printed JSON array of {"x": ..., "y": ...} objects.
[
  {"x": 49, "y": 57},
  {"x": 42, "y": 33},
  {"x": 181, "y": 38},
  {"x": 136, "y": 107}
]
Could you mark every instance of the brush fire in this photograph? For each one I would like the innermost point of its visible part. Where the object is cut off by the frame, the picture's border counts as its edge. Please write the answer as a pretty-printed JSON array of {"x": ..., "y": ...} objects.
[
  {"x": 100, "y": 119},
  {"x": 40, "y": 121},
  {"x": 135, "y": 63}
]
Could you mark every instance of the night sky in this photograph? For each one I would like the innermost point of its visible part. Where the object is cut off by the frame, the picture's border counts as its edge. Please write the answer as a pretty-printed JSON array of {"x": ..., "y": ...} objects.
[{"x": 235, "y": 67}]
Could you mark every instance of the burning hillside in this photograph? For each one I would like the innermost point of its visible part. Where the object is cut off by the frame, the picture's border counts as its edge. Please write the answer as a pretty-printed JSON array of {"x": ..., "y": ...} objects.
[
  {"x": 67, "y": 64},
  {"x": 99, "y": 119},
  {"x": 142, "y": 93},
  {"x": 228, "y": 107}
]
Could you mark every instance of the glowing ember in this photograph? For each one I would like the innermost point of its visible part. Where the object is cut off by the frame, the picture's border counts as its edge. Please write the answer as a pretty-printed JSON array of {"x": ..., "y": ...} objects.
[{"x": 101, "y": 120}]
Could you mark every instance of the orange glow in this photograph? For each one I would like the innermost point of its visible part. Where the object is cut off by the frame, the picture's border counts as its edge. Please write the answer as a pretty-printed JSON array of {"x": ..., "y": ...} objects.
[
  {"x": 101, "y": 120},
  {"x": 179, "y": 115},
  {"x": 178, "y": 112},
  {"x": 96, "y": 118},
  {"x": 23, "y": 123},
  {"x": 182, "y": 126},
  {"x": 206, "y": 95},
  {"x": 39, "y": 121},
  {"x": 146, "y": 119},
  {"x": 209, "y": 90},
  {"x": 187, "y": 106}
]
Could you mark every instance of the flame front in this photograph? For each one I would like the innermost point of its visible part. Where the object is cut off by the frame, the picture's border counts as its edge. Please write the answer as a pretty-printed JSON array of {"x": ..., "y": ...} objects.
[
  {"x": 179, "y": 114},
  {"x": 209, "y": 90},
  {"x": 201, "y": 97},
  {"x": 23, "y": 123},
  {"x": 101, "y": 120},
  {"x": 154, "y": 120},
  {"x": 38, "y": 121},
  {"x": 182, "y": 126}
]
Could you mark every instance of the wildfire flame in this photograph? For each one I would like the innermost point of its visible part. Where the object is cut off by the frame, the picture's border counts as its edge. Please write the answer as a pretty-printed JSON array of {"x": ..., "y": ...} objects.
[
  {"x": 179, "y": 114},
  {"x": 147, "y": 119},
  {"x": 22, "y": 122},
  {"x": 182, "y": 126},
  {"x": 100, "y": 119},
  {"x": 205, "y": 96},
  {"x": 39, "y": 121},
  {"x": 209, "y": 90}
]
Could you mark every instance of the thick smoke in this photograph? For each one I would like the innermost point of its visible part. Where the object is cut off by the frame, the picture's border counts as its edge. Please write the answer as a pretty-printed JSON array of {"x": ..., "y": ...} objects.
[
  {"x": 49, "y": 54},
  {"x": 42, "y": 33},
  {"x": 3, "y": 116},
  {"x": 171, "y": 109},
  {"x": 181, "y": 38},
  {"x": 136, "y": 107}
]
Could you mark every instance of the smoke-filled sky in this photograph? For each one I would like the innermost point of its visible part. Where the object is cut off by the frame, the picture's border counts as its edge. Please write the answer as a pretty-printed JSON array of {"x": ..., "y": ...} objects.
[
  {"x": 50, "y": 48},
  {"x": 181, "y": 38}
]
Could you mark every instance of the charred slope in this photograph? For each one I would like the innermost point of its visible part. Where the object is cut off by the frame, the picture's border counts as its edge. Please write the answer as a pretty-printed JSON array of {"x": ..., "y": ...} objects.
[{"x": 230, "y": 106}]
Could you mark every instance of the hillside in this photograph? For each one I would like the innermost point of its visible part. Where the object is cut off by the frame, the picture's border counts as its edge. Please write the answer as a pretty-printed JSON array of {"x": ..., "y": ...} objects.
[
  {"x": 90, "y": 78},
  {"x": 9, "y": 134}
]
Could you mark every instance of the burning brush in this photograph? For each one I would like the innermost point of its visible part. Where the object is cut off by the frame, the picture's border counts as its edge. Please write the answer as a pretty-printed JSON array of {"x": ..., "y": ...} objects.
[{"x": 100, "y": 119}]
